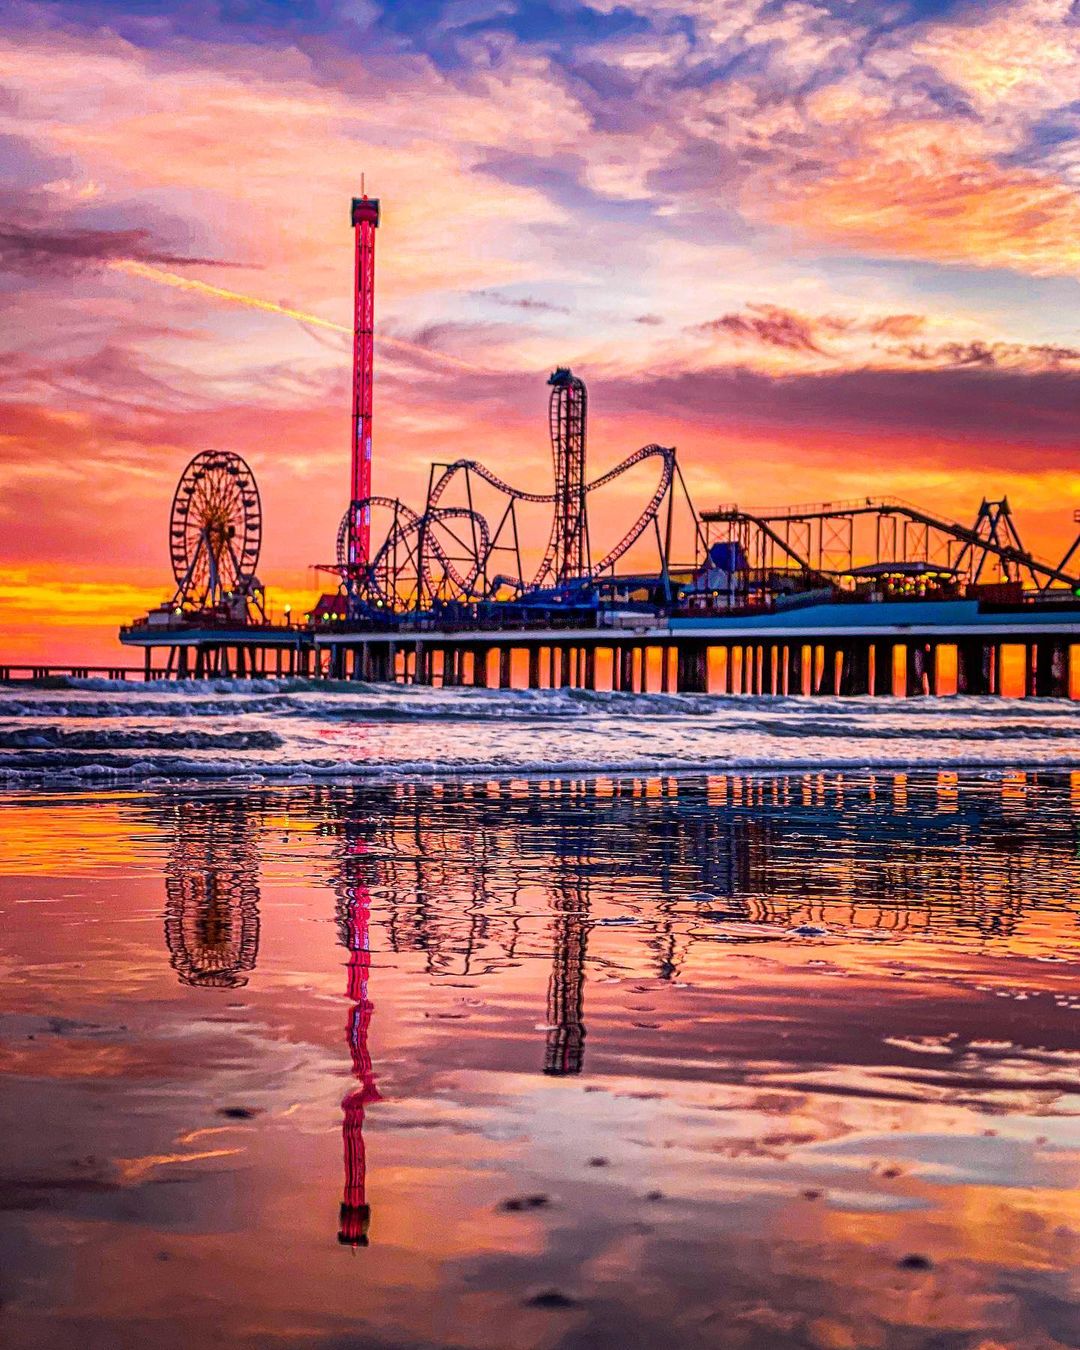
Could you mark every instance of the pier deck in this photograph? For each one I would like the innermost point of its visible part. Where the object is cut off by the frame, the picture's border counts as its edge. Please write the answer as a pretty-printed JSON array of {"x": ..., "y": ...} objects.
[{"x": 898, "y": 647}]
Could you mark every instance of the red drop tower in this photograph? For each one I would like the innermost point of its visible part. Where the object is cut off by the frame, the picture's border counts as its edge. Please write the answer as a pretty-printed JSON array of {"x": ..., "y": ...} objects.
[{"x": 365, "y": 220}]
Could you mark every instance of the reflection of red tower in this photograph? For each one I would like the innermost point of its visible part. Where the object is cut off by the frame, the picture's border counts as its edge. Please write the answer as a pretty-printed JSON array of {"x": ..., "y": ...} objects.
[{"x": 354, "y": 917}]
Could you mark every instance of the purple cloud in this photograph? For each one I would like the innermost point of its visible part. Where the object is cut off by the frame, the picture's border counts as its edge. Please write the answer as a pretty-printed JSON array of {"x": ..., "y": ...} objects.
[
  {"x": 769, "y": 325},
  {"x": 29, "y": 249}
]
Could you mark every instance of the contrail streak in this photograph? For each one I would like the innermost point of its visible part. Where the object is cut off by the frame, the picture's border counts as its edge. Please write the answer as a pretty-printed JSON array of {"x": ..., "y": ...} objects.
[
  {"x": 148, "y": 273},
  {"x": 144, "y": 271}
]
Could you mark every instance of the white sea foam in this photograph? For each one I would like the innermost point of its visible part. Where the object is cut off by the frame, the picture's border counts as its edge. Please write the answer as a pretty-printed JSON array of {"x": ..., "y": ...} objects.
[{"x": 102, "y": 731}]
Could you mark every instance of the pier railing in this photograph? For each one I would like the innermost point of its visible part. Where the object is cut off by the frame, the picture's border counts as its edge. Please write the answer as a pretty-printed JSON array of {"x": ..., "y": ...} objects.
[{"x": 33, "y": 674}]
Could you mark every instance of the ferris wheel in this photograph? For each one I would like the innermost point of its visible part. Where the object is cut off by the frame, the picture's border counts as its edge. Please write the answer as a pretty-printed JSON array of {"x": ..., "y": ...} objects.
[{"x": 215, "y": 532}]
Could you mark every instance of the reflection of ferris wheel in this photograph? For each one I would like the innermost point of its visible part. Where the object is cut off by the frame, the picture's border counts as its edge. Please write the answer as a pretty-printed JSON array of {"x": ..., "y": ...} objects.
[
  {"x": 212, "y": 893},
  {"x": 215, "y": 531},
  {"x": 212, "y": 927}
]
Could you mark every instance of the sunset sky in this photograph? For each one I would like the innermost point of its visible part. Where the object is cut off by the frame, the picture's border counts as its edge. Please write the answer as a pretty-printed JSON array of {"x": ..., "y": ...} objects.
[{"x": 828, "y": 249}]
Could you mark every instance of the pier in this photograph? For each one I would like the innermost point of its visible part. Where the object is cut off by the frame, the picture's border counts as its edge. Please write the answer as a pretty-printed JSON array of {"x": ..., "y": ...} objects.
[
  {"x": 863, "y": 597},
  {"x": 904, "y": 648}
]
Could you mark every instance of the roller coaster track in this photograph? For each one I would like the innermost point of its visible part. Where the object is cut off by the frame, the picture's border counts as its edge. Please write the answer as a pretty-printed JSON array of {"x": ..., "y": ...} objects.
[
  {"x": 1006, "y": 549},
  {"x": 665, "y": 453},
  {"x": 408, "y": 524},
  {"x": 390, "y": 503},
  {"x": 428, "y": 557}
]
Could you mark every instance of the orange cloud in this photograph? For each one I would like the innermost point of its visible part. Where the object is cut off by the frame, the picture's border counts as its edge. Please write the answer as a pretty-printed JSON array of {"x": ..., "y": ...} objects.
[
  {"x": 1026, "y": 55},
  {"x": 919, "y": 191}
]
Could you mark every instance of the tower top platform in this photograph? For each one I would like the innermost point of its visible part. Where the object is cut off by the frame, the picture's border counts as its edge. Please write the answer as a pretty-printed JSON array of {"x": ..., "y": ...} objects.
[{"x": 365, "y": 209}]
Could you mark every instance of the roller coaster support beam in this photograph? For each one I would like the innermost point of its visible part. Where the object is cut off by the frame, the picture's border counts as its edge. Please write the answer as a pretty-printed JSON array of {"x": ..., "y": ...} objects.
[
  {"x": 1009, "y": 551},
  {"x": 1073, "y": 547}
]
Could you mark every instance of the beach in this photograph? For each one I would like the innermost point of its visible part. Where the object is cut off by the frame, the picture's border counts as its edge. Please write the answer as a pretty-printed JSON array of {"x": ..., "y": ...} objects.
[{"x": 423, "y": 1019}]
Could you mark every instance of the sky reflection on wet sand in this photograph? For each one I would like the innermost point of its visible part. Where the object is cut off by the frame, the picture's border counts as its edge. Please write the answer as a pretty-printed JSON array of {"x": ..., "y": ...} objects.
[{"x": 778, "y": 1061}]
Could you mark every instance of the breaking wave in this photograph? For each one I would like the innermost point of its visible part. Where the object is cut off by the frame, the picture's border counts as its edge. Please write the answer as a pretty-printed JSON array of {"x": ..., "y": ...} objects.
[
  {"x": 98, "y": 731},
  {"x": 52, "y": 737},
  {"x": 60, "y": 771},
  {"x": 346, "y": 699}
]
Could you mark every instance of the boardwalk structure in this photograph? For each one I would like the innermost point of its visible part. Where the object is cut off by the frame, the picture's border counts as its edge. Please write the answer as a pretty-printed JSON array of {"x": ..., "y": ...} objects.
[{"x": 835, "y": 647}]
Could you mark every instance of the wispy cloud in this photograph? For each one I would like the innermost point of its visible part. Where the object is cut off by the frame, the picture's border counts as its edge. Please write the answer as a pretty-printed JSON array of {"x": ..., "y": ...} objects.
[
  {"x": 767, "y": 324},
  {"x": 879, "y": 340},
  {"x": 995, "y": 355},
  {"x": 33, "y": 249},
  {"x": 526, "y": 303}
]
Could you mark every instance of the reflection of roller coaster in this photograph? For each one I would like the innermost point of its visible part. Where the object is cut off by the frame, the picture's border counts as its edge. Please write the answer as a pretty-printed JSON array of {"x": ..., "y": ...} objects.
[
  {"x": 735, "y": 845},
  {"x": 451, "y": 553},
  {"x": 564, "y": 1052}
]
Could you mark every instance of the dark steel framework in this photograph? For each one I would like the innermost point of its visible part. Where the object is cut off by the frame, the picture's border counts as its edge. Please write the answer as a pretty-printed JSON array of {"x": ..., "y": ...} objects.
[
  {"x": 822, "y": 542},
  {"x": 452, "y": 553},
  {"x": 567, "y": 558},
  {"x": 1073, "y": 548},
  {"x": 505, "y": 537},
  {"x": 422, "y": 561}
]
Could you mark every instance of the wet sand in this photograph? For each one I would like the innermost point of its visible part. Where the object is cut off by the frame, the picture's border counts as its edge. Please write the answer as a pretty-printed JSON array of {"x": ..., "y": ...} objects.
[{"x": 776, "y": 1061}]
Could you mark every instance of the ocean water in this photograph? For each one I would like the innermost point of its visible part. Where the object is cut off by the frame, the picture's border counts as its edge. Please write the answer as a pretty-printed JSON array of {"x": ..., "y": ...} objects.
[
  {"x": 102, "y": 732},
  {"x": 409, "y": 1019}
]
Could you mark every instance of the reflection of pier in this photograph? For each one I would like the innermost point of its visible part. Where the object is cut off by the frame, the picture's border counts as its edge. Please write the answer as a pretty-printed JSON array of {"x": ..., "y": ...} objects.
[
  {"x": 459, "y": 868},
  {"x": 765, "y": 850},
  {"x": 354, "y": 922},
  {"x": 212, "y": 892},
  {"x": 452, "y": 860}
]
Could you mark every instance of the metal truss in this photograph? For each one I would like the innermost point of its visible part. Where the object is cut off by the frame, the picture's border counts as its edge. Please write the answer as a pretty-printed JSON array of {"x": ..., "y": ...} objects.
[{"x": 830, "y": 539}]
